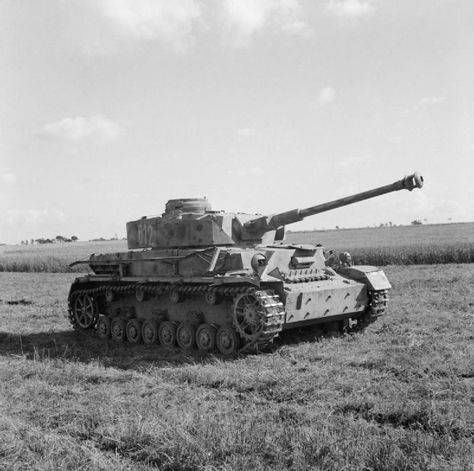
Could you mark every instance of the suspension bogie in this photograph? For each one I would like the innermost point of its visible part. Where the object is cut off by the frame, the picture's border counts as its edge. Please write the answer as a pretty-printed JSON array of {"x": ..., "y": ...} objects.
[
  {"x": 189, "y": 317},
  {"x": 191, "y": 308}
]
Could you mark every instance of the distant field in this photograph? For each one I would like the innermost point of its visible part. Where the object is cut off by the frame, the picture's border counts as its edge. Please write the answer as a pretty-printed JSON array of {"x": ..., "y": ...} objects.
[
  {"x": 53, "y": 258},
  {"x": 396, "y": 397},
  {"x": 402, "y": 245}
]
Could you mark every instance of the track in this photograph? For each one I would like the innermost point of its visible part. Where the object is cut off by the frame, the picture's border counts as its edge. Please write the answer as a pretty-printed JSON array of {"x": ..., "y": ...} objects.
[
  {"x": 378, "y": 302},
  {"x": 257, "y": 330}
]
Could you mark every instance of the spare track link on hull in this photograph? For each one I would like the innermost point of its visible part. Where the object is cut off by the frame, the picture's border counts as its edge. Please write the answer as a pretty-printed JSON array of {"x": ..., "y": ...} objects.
[
  {"x": 378, "y": 301},
  {"x": 272, "y": 321}
]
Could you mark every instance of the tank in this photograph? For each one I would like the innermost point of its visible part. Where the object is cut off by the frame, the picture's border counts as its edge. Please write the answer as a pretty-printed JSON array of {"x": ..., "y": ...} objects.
[{"x": 215, "y": 280}]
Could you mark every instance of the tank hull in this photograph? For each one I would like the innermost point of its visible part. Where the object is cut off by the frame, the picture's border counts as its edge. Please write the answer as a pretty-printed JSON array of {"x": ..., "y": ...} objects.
[{"x": 183, "y": 297}]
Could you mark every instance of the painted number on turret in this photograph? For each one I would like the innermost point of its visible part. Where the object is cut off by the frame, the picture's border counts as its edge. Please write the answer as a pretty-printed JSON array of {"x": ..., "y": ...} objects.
[{"x": 145, "y": 233}]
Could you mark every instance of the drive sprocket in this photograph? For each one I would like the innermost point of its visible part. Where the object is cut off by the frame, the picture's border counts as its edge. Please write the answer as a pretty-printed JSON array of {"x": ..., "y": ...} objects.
[{"x": 258, "y": 316}]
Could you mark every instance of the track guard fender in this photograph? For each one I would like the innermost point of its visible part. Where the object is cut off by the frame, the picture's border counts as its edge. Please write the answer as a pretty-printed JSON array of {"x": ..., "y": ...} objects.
[{"x": 373, "y": 277}]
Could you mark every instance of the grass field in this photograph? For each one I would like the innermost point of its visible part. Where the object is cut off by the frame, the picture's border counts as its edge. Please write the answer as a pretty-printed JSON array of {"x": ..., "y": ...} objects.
[
  {"x": 53, "y": 258},
  {"x": 401, "y": 245},
  {"x": 399, "y": 396}
]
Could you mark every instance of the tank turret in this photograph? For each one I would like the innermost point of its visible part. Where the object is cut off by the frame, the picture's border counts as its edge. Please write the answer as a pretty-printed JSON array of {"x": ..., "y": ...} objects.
[{"x": 190, "y": 222}]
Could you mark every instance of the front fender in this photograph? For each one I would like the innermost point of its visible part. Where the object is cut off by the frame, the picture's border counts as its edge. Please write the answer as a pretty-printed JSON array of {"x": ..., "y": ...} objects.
[{"x": 373, "y": 277}]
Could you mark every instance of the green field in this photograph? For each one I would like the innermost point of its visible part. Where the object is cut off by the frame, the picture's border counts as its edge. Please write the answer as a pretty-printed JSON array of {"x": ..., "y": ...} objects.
[
  {"x": 53, "y": 258},
  {"x": 400, "y": 245},
  {"x": 366, "y": 237},
  {"x": 398, "y": 396}
]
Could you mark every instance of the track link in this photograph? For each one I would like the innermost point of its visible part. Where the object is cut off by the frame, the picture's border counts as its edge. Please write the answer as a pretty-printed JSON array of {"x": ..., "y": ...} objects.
[{"x": 378, "y": 302}]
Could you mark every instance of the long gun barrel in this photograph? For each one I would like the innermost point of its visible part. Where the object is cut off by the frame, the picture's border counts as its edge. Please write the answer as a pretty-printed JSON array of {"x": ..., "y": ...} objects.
[{"x": 268, "y": 223}]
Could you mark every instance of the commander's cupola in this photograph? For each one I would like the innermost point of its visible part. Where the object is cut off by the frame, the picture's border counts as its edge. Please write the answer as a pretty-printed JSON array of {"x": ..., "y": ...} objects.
[{"x": 179, "y": 206}]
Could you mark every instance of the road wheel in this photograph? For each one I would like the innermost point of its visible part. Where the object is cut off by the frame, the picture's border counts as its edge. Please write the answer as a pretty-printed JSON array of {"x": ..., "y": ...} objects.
[
  {"x": 227, "y": 340},
  {"x": 206, "y": 338},
  {"x": 149, "y": 331},
  {"x": 117, "y": 329},
  {"x": 185, "y": 335},
  {"x": 103, "y": 327},
  {"x": 134, "y": 331},
  {"x": 167, "y": 333}
]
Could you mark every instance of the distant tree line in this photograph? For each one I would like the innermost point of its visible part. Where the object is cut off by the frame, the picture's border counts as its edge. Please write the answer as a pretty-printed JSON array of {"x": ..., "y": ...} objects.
[{"x": 59, "y": 239}]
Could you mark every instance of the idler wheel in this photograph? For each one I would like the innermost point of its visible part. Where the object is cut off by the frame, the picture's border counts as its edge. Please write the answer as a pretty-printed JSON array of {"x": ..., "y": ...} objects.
[
  {"x": 103, "y": 327},
  {"x": 167, "y": 333},
  {"x": 134, "y": 331},
  {"x": 149, "y": 331},
  {"x": 117, "y": 329},
  {"x": 185, "y": 335},
  {"x": 227, "y": 340},
  {"x": 85, "y": 311},
  {"x": 206, "y": 337}
]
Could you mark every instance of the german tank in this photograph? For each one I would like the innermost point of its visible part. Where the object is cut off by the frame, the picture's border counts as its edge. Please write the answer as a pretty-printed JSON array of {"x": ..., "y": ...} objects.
[{"x": 217, "y": 280}]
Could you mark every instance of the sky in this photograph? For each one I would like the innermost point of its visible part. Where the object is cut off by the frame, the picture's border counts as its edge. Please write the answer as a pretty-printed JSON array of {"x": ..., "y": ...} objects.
[{"x": 108, "y": 108}]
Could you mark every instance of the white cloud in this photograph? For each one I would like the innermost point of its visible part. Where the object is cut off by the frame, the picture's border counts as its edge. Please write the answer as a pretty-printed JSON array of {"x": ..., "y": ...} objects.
[
  {"x": 326, "y": 95},
  {"x": 80, "y": 128},
  {"x": 432, "y": 100},
  {"x": 297, "y": 28},
  {"x": 145, "y": 20},
  {"x": 256, "y": 171},
  {"x": 246, "y": 132},
  {"x": 350, "y": 9},
  {"x": 8, "y": 178},
  {"x": 109, "y": 26},
  {"x": 245, "y": 18}
]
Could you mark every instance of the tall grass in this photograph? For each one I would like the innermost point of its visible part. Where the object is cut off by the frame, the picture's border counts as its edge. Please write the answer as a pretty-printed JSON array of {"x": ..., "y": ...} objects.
[
  {"x": 39, "y": 264},
  {"x": 53, "y": 258},
  {"x": 398, "y": 245},
  {"x": 414, "y": 254},
  {"x": 396, "y": 397}
]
